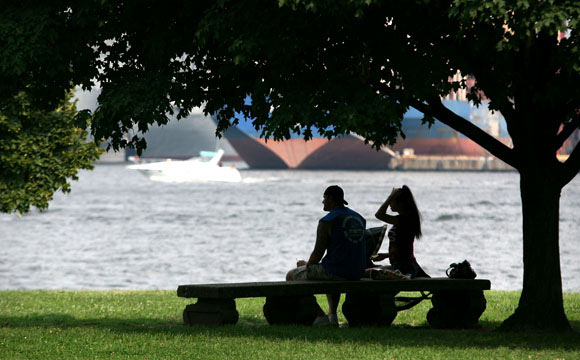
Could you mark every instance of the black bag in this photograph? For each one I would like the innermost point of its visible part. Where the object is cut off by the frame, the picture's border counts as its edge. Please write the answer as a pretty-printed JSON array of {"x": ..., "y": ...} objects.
[{"x": 461, "y": 270}]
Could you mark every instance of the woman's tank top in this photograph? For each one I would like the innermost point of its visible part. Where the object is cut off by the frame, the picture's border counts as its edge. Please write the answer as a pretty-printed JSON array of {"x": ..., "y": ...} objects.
[{"x": 401, "y": 243}]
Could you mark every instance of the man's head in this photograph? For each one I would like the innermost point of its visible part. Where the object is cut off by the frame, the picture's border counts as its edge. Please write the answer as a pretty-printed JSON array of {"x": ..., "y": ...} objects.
[{"x": 333, "y": 198}]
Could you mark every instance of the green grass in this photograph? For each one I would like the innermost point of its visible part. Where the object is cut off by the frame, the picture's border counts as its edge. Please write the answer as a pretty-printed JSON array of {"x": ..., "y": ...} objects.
[{"x": 148, "y": 325}]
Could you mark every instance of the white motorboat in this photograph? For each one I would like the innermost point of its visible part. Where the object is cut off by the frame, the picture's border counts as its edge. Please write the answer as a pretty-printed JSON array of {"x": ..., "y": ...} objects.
[{"x": 205, "y": 168}]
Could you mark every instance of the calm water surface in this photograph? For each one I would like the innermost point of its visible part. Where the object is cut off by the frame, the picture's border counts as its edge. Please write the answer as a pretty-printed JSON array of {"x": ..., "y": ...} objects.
[{"x": 119, "y": 230}]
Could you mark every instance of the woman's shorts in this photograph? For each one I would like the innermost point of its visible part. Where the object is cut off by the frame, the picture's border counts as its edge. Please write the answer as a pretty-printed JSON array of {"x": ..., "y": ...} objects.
[
  {"x": 411, "y": 268},
  {"x": 312, "y": 272}
]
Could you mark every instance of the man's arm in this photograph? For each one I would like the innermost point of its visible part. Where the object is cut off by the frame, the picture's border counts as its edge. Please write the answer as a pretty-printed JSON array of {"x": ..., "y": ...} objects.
[{"x": 322, "y": 240}]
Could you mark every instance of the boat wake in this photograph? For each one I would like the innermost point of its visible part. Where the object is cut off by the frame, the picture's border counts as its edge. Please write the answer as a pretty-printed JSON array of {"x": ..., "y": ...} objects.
[
  {"x": 255, "y": 180},
  {"x": 206, "y": 168}
]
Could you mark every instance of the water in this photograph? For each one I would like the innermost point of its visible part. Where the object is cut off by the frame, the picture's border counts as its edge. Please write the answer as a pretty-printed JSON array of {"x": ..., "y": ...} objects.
[{"x": 118, "y": 230}]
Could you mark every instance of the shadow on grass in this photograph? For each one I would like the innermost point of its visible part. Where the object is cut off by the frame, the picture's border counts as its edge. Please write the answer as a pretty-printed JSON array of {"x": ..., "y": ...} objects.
[{"x": 484, "y": 337}]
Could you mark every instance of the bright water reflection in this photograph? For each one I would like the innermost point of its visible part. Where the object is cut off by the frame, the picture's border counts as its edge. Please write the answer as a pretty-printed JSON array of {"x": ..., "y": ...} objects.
[{"x": 117, "y": 229}]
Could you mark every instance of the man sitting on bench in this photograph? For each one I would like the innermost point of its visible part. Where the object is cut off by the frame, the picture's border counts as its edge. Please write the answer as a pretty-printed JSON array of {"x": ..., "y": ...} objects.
[{"x": 341, "y": 234}]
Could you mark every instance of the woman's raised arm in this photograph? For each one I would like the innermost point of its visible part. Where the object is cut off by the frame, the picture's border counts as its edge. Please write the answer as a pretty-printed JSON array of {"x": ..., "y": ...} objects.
[{"x": 381, "y": 213}]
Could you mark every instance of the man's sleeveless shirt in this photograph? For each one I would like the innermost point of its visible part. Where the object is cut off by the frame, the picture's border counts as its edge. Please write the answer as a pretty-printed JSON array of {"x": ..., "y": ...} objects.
[{"x": 346, "y": 252}]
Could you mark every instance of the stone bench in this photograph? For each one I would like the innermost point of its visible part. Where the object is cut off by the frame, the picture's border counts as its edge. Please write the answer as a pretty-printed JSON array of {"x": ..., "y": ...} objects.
[{"x": 456, "y": 303}]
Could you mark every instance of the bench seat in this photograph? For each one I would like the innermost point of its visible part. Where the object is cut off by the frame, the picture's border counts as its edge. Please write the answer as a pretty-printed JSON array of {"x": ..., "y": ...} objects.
[
  {"x": 456, "y": 302},
  {"x": 297, "y": 288}
]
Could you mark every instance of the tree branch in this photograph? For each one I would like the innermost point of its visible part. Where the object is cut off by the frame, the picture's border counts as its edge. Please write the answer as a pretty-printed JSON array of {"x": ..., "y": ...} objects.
[
  {"x": 571, "y": 166},
  {"x": 566, "y": 132},
  {"x": 456, "y": 122}
]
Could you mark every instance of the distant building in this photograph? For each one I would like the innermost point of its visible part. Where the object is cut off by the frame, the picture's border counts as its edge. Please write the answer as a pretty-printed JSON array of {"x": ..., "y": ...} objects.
[
  {"x": 184, "y": 139},
  {"x": 178, "y": 139}
]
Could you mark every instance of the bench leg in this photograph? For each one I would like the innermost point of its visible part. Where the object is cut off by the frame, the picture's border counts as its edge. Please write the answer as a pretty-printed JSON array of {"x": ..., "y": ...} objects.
[
  {"x": 456, "y": 309},
  {"x": 369, "y": 309},
  {"x": 211, "y": 312},
  {"x": 285, "y": 310}
]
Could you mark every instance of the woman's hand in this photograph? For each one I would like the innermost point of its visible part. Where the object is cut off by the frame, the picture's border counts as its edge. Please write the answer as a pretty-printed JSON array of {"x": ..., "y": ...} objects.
[
  {"x": 391, "y": 195},
  {"x": 379, "y": 256}
]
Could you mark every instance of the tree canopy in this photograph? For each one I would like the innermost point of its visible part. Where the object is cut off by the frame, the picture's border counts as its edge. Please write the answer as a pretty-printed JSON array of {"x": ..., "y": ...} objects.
[
  {"x": 40, "y": 152},
  {"x": 331, "y": 66}
]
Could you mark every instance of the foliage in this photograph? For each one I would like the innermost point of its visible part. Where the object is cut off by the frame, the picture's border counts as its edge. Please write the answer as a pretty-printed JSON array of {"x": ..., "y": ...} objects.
[
  {"x": 148, "y": 324},
  {"x": 323, "y": 66},
  {"x": 40, "y": 152},
  {"x": 38, "y": 42}
]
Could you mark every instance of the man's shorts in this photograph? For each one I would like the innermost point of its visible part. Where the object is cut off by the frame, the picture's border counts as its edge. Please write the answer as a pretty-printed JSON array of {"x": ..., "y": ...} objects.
[{"x": 312, "y": 272}]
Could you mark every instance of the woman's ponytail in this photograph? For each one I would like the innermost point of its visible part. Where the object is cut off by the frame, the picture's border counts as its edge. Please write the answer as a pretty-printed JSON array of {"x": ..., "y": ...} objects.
[{"x": 415, "y": 216}]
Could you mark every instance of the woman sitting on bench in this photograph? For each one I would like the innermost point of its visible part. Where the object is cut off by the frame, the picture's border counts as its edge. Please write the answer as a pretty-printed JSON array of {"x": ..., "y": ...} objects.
[{"x": 406, "y": 228}]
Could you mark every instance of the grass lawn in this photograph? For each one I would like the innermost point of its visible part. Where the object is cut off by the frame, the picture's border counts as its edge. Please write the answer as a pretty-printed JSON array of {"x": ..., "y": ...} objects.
[{"x": 148, "y": 325}]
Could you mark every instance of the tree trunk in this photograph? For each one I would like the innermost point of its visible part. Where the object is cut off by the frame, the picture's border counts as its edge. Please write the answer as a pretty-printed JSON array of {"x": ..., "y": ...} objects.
[{"x": 541, "y": 305}]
